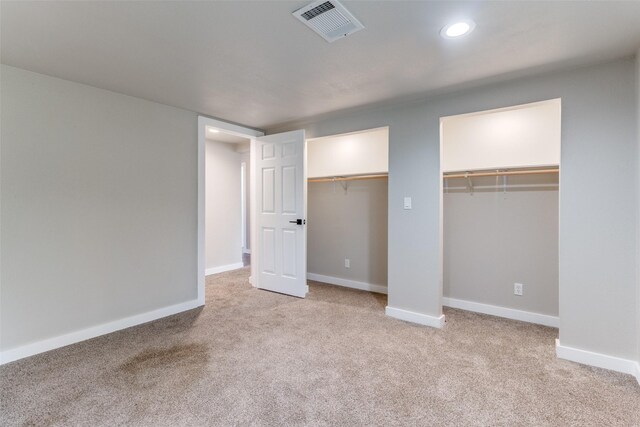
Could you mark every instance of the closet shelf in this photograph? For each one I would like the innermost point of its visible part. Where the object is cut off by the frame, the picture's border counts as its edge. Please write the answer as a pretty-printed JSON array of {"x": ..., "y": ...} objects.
[
  {"x": 500, "y": 173},
  {"x": 349, "y": 178}
]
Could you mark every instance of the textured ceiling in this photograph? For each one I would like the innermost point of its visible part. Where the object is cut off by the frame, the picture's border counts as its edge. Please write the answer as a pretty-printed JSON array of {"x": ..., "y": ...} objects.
[{"x": 253, "y": 63}]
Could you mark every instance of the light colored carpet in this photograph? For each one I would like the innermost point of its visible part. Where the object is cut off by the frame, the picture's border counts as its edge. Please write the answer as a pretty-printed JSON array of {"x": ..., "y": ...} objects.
[{"x": 256, "y": 358}]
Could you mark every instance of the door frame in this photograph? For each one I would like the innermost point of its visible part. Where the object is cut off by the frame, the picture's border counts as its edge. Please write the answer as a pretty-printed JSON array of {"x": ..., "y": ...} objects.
[{"x": 233, "y": 129}]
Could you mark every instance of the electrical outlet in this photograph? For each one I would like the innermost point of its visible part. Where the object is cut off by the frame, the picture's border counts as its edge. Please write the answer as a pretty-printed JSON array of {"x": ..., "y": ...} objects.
[
  {"x": 518, "y": 288},
  {"x": 347, "y": 263}
]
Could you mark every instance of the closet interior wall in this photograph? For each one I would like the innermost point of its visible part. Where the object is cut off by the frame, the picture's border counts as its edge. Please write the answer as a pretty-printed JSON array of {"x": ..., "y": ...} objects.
[{"x": 498, "y": 236}]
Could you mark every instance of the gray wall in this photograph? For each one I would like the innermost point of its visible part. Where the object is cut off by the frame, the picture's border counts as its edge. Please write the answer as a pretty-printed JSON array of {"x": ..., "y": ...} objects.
[
  {"x": 493, "y": 239},
  {"x": 597, "y": 237},
  {"x": 98, "y": 206},
  {"x": 597, "y": 214},
  {"x": 223, "y": 221},
  {"x": 351, "y": 224}
]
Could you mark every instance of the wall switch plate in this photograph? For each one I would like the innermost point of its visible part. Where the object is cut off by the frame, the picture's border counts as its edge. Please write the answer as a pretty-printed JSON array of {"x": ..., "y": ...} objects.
[
  {"x": 518, "y": 288},
  {"x": 347, "y": 263},
  {"x": 407, "y": 202}
]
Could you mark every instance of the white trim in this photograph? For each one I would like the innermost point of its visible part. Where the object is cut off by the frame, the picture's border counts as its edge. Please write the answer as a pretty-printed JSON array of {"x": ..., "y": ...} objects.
[
  {"x": 223, "y": 268},
  {"x": 94, "y": 331},
  {"x": 598, "y": 360},
  {"x": 509, "y": 313},
  {"x": 411, "y": 316},
  {"x": 638, "y": 372},
  {"x": 246, "y": 251},
  {"x": 231, "y": 129},
  {"x": 363, "y": 286}
]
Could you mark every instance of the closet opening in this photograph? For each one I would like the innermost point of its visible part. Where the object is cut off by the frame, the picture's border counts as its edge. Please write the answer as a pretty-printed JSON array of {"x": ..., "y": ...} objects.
[
  {"x": 500, "y": 211},
  {"x": 347, "y": 210}
]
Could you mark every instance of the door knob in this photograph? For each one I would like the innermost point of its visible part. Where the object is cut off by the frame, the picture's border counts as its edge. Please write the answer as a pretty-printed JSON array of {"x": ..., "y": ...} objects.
[{"x": 299, "y": 221}]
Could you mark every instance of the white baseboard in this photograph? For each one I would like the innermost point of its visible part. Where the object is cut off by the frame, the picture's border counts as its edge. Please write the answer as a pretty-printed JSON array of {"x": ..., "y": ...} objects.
[
  {"x": 509, "y": 313},
  {"x": 92, "y": 332},
  {"x": 413, "y": 317},
  {"x": 223, "y": 268},
  {"x": 598, "y": 360},
  {"x": 363, "y": 286}
]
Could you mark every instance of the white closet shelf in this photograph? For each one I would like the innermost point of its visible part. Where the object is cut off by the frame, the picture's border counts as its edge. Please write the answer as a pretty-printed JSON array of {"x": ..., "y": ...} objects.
[{"x": 349, "y": 178}]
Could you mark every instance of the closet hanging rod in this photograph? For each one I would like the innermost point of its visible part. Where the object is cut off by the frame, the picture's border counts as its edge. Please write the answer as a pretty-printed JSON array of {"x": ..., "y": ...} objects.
[
  {"x": 502, "y": 173},
  {"x": 348, "y": 178}
]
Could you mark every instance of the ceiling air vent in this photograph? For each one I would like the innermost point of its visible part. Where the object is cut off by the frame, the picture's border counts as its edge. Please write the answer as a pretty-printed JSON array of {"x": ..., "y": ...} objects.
[{"x": 329, "y": 19}]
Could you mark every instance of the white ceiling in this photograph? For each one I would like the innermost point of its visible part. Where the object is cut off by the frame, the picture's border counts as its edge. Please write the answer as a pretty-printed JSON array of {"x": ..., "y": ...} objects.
[{"x": 254, "y": 63}]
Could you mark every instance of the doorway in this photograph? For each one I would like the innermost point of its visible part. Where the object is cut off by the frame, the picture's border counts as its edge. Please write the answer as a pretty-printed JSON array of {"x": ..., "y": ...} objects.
[
  {"x": 225, "y": 219},
  {"x": 276, "y": 188},
  {"x": 224, "y": 197}
]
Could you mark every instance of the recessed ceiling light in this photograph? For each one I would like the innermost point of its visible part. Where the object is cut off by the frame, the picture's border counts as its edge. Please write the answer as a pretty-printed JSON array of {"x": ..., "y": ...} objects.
[
  {"x": 213, "y": 130},
  {"x": 458, "y": 29}
]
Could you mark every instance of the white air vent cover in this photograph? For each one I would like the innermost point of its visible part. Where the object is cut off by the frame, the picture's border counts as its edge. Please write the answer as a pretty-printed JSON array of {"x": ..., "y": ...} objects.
[{"x": 329, "y": 19}]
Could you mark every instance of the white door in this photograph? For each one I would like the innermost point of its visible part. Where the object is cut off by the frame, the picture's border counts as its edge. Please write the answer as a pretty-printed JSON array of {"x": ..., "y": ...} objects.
[{"x": 281, "y": 207}]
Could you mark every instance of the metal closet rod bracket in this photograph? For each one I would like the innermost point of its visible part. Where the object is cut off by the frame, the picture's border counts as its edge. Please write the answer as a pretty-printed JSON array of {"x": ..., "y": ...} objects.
[
  {"x": 469, "y": 183},
  {"x": 343, "y": 183}
]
